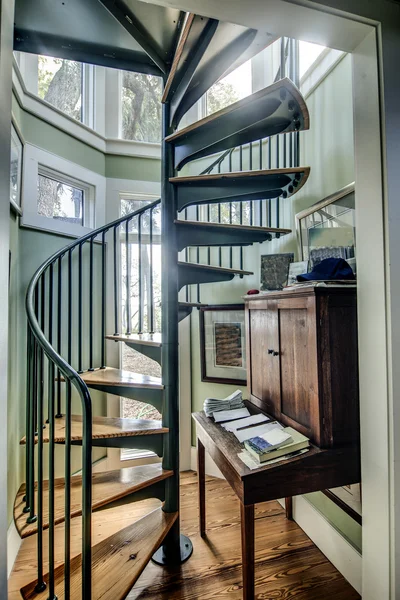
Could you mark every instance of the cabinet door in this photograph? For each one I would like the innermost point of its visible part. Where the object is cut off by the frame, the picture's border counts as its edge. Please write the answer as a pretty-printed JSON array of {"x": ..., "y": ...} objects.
[
  {"x": 263, "y": 377},
  {"x": 298, "y": 360}
]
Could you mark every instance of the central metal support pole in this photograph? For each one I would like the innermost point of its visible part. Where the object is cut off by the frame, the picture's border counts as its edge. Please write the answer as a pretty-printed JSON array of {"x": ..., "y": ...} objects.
[{"x": 176, "y": 548}]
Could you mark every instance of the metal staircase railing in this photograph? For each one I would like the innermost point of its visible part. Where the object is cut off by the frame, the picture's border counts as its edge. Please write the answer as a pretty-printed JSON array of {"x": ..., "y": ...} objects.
[
  {"x": 65, "y": 336},
  {"x": 268, "y": 153}
]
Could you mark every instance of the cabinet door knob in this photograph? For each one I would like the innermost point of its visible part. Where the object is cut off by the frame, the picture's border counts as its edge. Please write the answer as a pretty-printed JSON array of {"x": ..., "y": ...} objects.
[
  {"x": 275, "y": 353},
  {"x": 270, "y": 351}
]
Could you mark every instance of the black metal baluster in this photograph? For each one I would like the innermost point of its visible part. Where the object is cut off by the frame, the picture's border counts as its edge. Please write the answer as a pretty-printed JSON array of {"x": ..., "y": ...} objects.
[
  {"x": 208, "y": 248},
  {"x": 80, "y": 309},
  {"x": 51, "y": 411},
  {"x": 103, "y": 299},
  {"x": 59, "y": 334},
  {"x": 128, "y": 280},
  {"x": 69, "y": 335},
  {"x": 151, "y": 284},
  {"x": 30, "y": 443},
  {"x": 116, "y": 294},
  {"x": 86, "y": 495},
  {"x": 41, "y": 585},
  {"x": 198, "y": 253},
  {"x": 32, "y": 435},
  {"x": 186, "y": 260},
  {"x": 67, "y": 538},
  {"x": 140, "y": 268},
  {"x": 91, "y": 300}
]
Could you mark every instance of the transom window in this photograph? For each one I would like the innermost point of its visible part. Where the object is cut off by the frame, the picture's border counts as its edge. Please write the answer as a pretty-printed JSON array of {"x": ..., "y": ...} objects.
[{"x": 141, "y": 107}]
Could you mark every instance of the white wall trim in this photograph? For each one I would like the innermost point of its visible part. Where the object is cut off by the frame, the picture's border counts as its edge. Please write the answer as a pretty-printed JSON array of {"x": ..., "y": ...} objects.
[
  {"x": 319, "y": 70},
  {"x": 13, "y": 545},
  {"x": 32, "y": 104},
  {"x": 346, "y": 559}
]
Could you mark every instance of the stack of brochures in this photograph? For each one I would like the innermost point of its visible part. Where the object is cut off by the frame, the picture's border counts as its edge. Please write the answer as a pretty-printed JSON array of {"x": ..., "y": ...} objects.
[
  {"x": 232, "y": 402},
  {"x": 275, "y": 444}
]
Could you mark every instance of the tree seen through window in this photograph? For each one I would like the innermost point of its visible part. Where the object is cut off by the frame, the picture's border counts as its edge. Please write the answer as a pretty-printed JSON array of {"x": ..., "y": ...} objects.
[
  {"x": 141, "y": 107},
  {"x": 60, "y": 84}
]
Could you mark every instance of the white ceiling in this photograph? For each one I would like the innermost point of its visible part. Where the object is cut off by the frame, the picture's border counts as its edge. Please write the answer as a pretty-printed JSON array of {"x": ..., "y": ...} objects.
[{"x": 300, "y": 19}]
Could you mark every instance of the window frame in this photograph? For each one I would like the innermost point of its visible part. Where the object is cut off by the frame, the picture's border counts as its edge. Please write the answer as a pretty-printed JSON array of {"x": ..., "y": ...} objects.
[
  {"x": 38, "y": 161},
  {"x": 120, "y": 111},
  {"x": 87, "y": 94},
  {"x": 89, "y": 193},
  {"x": 16, "y": 136}
]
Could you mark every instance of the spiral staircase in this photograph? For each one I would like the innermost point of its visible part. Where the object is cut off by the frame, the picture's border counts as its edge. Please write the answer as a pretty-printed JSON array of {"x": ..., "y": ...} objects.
[{"x": 81, "y": 536}]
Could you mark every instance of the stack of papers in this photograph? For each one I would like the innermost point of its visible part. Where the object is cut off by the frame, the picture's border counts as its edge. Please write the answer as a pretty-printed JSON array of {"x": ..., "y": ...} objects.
[
  {"x": 241, "y": 423},
  {"x": 232, "y": 402},
  {"x": 245, "y": 434}
]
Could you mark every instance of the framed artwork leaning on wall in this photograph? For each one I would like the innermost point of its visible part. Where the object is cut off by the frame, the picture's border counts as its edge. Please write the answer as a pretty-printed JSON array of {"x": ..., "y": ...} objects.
[{"x": 222, "y": 344}]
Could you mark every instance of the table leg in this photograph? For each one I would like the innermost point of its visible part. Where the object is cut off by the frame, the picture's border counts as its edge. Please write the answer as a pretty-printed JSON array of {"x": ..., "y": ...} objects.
[
  {"x": 201, "y": 486},
  {"x": 289, "y": 508},
  {"x": 247, "y": 531}
]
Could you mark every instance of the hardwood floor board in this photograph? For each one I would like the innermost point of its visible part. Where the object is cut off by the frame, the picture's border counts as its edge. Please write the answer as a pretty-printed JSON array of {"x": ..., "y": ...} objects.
[{"x": 288, "y": 564}]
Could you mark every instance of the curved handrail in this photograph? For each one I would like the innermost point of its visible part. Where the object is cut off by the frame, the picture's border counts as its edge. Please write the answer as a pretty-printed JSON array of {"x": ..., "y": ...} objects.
[{"x": 67, "y": 370}]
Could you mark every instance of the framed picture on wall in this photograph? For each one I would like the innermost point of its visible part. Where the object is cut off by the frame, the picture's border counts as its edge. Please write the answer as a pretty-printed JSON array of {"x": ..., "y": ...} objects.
[
  {"x": 222, "y": 344},
  {"x": 16, "y": 170}
]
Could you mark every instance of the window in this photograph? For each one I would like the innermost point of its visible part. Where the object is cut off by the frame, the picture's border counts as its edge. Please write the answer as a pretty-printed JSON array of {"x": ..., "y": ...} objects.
[
  {"x": 15, "y": 170},
  {"x": 308, "y": 54},
  {"x": 233, "y": 87},
  {"x": 145, "y": 259},
  {"x": 141, "y": 107},
  {"x": 60, "y": 83},
  {"x": 59, "y": 200},
  {"x": 59, "y": 195}
]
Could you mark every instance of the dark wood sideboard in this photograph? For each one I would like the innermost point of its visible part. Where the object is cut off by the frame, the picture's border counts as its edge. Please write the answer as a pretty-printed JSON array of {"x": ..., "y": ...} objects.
[{"x": 302, "y": 370}]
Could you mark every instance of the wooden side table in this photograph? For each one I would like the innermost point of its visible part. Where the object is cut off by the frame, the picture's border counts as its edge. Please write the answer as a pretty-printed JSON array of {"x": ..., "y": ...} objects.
[{"x": 313, "y": 471}]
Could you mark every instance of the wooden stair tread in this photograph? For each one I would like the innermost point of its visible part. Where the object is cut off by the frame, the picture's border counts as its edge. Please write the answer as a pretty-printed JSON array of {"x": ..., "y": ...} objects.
[
  {"x": 104, "y": 524},
  {"x": 102, "y": 428},
  {"x": 235, "y": 175},
  {"x": 147, "y": 339},
  {"x": 214, "y": 269},
  {"x": 278, "y": 108},
  {"x": 239, "y": 186},
  {"x": 107, "y": 487},
  {"x": 242, "y": 104},
  {"x": 117, "y": 561},
  {"x": 118, "y": 377},
  {"x": 233, "y": 226}
]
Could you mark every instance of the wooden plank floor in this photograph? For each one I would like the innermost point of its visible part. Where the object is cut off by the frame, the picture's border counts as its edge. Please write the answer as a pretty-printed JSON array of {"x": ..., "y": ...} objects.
[{"x": 288, "y": 565}]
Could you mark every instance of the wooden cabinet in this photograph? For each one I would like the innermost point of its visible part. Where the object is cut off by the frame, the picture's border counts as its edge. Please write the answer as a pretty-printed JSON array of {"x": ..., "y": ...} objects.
[{"x": 303, "y": 362}]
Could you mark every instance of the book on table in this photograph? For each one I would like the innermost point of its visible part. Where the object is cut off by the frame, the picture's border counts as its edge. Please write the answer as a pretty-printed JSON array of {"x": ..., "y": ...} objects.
[{"x": 276, "y": 443}]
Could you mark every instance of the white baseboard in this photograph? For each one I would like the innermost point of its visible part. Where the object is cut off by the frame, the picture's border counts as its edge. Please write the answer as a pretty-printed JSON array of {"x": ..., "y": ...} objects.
[
  {"x": 336, "y": 548},
  {"x": 13, "y": 546}
]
